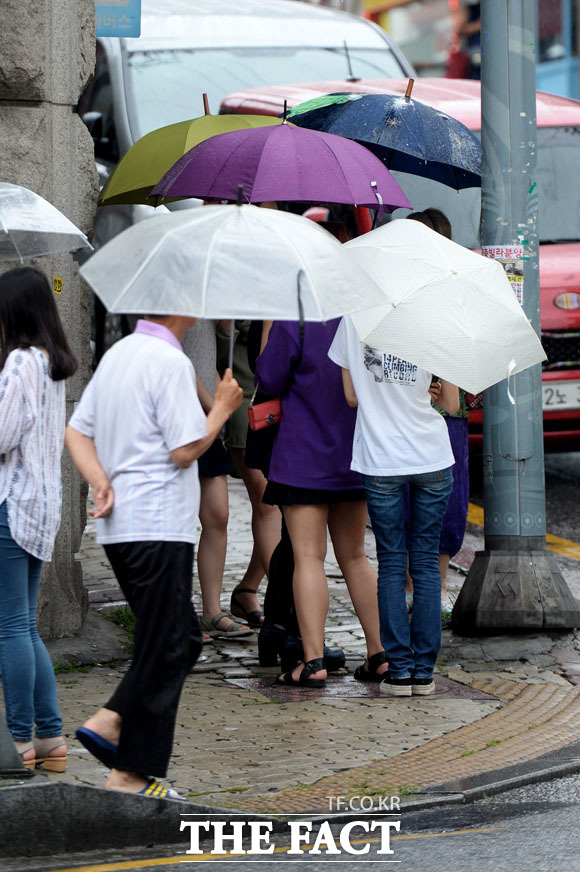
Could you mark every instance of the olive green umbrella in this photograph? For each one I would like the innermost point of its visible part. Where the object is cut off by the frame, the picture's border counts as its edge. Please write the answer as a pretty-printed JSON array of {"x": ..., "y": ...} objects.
[{"x": 150, "y": 157}]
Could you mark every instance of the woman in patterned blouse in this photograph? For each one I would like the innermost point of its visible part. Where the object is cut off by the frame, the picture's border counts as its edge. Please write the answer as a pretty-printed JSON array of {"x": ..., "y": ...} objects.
[{"x": 35, "y": 360}]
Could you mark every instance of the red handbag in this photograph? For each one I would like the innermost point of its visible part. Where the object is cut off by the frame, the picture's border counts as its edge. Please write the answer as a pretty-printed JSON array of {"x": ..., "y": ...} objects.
[{"x": 265, "y": 414}]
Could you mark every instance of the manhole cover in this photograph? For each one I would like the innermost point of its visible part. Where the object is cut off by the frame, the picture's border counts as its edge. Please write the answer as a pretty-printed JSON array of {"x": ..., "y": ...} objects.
[{"x": 345, "y": 687}]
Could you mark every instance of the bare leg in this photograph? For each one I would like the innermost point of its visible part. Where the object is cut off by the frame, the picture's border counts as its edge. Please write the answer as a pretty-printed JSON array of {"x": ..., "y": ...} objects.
[
  {"x": 443, "y": 569},
  {"x": 265, "y": 530},
  {"x": 131, "y": 782},
  {"x": 213, "y": 542},
  {"x": 307, "y": 529},
  {"x": 347, "y": 522},
  {"x": 106, "y": 723},
  {"x": 27, "y": 756}
]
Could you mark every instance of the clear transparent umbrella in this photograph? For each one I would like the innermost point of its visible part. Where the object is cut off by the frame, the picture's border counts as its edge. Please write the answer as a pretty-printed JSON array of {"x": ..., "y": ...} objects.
[
  {"x": 229, "y": 262},
  {"x": 447, "y": 309},
  {"x": 30, "y": 226}
]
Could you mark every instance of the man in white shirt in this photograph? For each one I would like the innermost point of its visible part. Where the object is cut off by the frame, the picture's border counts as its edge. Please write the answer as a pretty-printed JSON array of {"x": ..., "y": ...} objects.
[{"x": 136, "y": 436}]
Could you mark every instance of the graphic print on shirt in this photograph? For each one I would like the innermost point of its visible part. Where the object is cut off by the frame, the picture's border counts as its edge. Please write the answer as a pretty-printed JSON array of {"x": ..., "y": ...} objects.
[{"x": 389, "y": 368}]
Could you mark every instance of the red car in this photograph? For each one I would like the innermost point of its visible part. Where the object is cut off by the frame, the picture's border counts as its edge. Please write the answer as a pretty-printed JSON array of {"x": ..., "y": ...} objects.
[{"x": 558, "y": 177}]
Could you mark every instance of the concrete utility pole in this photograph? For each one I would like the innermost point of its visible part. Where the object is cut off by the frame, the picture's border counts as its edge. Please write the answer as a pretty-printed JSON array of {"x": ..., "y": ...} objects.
[
  {"x": 515, "y": 582},
  {"x": 47, "y": 54}
]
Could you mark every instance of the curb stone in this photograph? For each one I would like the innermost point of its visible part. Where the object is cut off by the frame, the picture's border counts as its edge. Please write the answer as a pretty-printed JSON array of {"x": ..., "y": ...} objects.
[{"x": 73, "y": 818}]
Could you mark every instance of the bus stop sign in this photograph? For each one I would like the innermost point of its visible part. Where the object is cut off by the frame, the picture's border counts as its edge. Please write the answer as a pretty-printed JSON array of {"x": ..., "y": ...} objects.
[{"x": 118, "y": 17}]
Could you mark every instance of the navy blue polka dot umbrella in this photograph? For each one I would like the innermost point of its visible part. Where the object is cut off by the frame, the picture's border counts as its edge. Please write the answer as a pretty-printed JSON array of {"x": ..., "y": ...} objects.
[{"x": 406, "y": 135}]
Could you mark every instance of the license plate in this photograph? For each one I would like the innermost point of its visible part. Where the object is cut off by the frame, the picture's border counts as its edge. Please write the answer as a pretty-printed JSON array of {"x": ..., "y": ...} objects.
[{"x": 560, "y": 395}]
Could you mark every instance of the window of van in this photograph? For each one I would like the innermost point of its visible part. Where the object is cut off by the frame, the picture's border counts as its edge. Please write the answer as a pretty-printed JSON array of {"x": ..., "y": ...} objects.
[
  {"x": 175, "y": 94},
  {"x": 558, "y": 191}
]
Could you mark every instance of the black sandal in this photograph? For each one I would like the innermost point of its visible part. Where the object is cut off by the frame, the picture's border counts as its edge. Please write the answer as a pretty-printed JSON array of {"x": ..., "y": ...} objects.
[
  {"x": 254, "y": 619},
  {"x": 287, "y": 680},
  {"x": 361, "y": 673}
]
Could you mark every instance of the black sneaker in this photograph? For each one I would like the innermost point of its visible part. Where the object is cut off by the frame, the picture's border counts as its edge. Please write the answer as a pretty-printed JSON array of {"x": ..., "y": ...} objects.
[
  {"x": 396, "y": 686},
  {"x": 422, "y": 686}
]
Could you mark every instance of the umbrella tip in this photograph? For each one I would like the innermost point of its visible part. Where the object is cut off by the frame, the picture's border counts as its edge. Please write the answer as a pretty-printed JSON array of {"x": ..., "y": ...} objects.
[
  {"x": 240, "y": 199},
  {"x": 206, "y": 105},
  {"x": 409, "y": 89},
  {"x": 285, "y": 113}
]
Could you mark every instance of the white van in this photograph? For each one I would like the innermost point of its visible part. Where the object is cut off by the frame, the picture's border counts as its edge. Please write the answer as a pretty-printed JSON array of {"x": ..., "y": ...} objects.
[{"x": 191, "y": 47}]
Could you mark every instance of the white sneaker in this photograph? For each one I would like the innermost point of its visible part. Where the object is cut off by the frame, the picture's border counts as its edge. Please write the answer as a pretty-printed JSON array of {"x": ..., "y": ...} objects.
[
  {"x": 423, "y": 686},
  {"x": 396, "y": 686}
]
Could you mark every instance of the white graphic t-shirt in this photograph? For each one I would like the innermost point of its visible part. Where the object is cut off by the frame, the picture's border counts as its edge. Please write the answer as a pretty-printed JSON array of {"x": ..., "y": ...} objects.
[{"x": 397, "y": 430}]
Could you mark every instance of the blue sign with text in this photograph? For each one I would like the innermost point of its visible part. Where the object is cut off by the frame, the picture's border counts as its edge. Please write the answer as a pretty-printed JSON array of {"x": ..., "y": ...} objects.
[{"x": 118, "y": 17}]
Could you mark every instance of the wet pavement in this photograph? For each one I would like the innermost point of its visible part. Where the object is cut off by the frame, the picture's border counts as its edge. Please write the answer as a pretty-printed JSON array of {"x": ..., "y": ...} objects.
[{"x": 245, "y": 744}]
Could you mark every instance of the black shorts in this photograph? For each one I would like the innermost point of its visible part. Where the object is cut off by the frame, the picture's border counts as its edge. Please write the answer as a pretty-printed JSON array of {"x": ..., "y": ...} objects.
[{"x": 215, "y": 461}]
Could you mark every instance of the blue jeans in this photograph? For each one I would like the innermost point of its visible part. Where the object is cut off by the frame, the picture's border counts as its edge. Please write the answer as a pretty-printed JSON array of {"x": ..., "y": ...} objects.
[
  {"x": 411, "y": 646},
  {"x": 27, "y": 673}
]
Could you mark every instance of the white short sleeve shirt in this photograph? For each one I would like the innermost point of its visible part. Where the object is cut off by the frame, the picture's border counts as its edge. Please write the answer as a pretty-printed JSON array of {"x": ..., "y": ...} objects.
[
  {"x": 139, "y": 406},
  {"x": 397, "y": 432}
]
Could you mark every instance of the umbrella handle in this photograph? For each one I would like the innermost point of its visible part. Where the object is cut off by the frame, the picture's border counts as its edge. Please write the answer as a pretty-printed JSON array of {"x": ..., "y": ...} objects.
[
  {"x": 379, "y": 211},
  {"x": 511, "y": 367},
  {"x": 231, "y": 348},
  {"x": 300, "y": 306}
]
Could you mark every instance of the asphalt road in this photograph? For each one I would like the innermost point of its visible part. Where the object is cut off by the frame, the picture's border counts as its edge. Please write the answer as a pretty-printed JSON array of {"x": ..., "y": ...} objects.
[{"x": 532, "y": 829}]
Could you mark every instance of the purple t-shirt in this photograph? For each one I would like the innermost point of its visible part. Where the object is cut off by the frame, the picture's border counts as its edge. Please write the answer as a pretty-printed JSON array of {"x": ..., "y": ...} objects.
[{"x": 313, "y": 445}]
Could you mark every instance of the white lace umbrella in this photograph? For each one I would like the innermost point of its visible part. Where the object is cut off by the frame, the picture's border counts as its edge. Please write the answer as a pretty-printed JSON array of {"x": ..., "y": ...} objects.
[
  {"x": 30, "y": 226},
  {"x": 229, "y": 262},
  {"x": 447, "y": 309}
]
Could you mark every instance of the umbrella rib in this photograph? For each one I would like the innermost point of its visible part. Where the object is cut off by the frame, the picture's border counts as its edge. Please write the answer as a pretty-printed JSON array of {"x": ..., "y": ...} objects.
[
  {"x": 146, "y": 260},
  {"x": 13, "y": 241},
  {"x": 414, "y": 290},
  {"x": 303, "y": 265},
  {"x": 327, "y": 146},
  {"x": 212, "y": 244}
]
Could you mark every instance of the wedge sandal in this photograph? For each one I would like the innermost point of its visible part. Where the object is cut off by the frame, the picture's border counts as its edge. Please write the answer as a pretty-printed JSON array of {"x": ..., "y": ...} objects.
[{"x": 44, "y": 759}]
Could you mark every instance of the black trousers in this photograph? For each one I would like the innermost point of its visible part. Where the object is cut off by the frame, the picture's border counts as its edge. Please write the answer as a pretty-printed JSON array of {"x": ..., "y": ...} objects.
[{"x": 156, "y": 580}]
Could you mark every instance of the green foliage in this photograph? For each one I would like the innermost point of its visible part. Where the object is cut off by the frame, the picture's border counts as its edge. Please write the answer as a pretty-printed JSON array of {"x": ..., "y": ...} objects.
[
  {"x": 125, "y": 618},
  {"x": 65, "y": 668}
]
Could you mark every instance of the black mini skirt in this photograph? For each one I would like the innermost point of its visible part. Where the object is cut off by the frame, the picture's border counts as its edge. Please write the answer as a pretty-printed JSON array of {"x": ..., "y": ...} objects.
[{"x": 288, "y": 495}]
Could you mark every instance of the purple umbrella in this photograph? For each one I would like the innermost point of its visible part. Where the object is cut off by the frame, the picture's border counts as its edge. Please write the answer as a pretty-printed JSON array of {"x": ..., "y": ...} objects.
[{"x": 283, "y": 163}]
